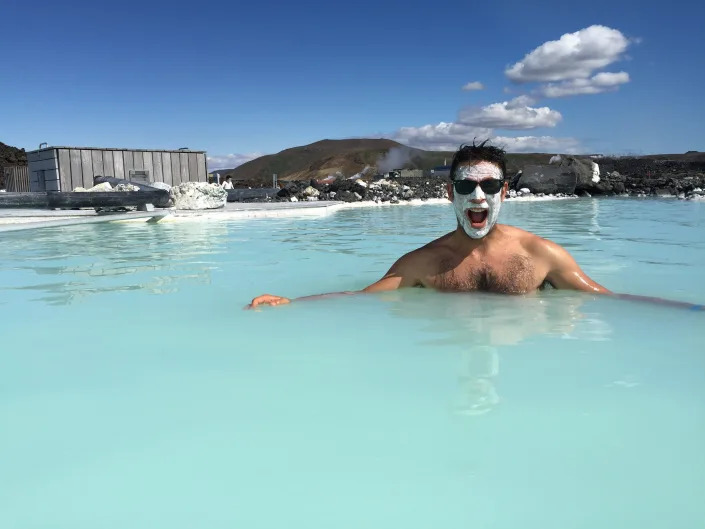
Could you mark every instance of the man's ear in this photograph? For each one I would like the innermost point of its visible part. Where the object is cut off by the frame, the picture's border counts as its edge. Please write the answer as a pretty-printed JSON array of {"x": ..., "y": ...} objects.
[
  {"x": 449, "y": 188},
  {"x": 505, "y": 190}
]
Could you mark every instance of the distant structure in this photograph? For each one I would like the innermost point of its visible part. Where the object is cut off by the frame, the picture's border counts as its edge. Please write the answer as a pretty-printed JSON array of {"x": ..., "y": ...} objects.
[
  {"x": 66, "y": 168},
  {"x": 441, "y": 170},
  {"x": 411, "y": 173}
]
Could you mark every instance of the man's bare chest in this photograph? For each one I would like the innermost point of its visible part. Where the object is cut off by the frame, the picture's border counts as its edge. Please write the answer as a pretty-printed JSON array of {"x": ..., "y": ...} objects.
[{"x": 512, "y": 274}]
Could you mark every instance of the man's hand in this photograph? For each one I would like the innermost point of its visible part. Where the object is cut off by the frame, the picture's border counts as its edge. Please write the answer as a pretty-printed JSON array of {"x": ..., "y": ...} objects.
[{"x": 268, "y": 299}]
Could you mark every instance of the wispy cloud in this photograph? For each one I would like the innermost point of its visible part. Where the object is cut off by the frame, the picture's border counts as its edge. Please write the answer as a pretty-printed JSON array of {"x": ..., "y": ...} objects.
[
  {"x": 539, "y": 144},
  {"x": 440, "y": 137},
  {"x": 506, "y": 115},
  {"x": 597, "y": 84},
  {"x": 474, "y": 85},
  {"x": 449, "y": 136},
  {"x": 230, "y": 161},
  {"x": 574, "y": 55}
]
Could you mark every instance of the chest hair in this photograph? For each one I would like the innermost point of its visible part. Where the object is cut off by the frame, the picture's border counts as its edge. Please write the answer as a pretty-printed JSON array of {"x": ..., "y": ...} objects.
[{"x": 514, "y": 276}]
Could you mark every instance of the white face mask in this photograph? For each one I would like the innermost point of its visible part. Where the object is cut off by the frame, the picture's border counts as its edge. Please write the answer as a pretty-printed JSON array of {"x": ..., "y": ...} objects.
[{"x": 487, "y": 205}]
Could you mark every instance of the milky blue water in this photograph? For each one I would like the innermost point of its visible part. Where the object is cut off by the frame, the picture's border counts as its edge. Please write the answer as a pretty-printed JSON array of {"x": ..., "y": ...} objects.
[{"x": 136, "y": 393}]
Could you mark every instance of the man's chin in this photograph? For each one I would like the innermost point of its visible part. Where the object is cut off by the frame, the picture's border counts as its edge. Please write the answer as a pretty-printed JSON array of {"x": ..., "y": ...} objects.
[{"x": 477, "y": 231}]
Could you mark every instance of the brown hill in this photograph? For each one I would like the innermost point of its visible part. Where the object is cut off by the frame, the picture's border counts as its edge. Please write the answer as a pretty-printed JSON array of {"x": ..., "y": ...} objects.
[
  {"x": 11, "y": 155},
  {"x": 328, "y": 157},
  {"x": 348, "y": 157}
]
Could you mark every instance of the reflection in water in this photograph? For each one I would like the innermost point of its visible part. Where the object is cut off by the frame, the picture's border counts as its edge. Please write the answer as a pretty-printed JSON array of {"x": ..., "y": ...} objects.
[
  {"x": 477, "y": 392},
  {"x": 479, "y": 325},
  {"x": 81, "y": 261}
]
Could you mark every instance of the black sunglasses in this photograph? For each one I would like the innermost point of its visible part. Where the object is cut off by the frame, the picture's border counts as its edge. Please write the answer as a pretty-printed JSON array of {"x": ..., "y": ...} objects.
[{"x": 490, "y": 187}]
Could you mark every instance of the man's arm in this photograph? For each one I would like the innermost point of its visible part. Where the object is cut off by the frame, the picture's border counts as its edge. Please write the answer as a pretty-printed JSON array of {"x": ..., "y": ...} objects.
[
  {"x": 401, "y": 274},
  {"x": 562, "y": 270}
]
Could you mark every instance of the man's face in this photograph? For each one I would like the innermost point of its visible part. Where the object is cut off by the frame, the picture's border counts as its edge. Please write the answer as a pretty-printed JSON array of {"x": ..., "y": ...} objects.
[{"x": 477, "y": 212}]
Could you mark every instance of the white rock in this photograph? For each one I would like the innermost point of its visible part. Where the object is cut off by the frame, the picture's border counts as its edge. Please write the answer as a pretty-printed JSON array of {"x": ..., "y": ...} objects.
[
  {"x": 311, "y": 191},
  {"x": 103, "y": 186},
  {"x": 384, "y": 183},
  {"x": 357, "y": 196},
  {"x": 126, "y": 187},
  {"x": 80, "y": 190},
  {"x": 595, "y": 173},
  {"x": 361, "y": 183},
  {"x": 293, "y": 199},
  {"x": 524, "y": 191},
  {"x": 198, "y": 195},
  {"x": 311, "y": 199},
  {"x": 512, "y": 193}
]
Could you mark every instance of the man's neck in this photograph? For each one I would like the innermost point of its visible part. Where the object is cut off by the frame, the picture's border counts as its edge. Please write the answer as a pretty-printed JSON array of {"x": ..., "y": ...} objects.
[{"x": 467, "y": 244}]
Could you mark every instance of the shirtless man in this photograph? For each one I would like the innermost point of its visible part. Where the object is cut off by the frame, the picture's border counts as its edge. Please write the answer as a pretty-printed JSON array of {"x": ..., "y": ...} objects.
[{"x": 480, "y": 255}]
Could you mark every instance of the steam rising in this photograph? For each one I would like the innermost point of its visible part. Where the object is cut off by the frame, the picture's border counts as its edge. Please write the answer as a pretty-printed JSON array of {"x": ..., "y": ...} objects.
[{"x": 395, "y": 158}]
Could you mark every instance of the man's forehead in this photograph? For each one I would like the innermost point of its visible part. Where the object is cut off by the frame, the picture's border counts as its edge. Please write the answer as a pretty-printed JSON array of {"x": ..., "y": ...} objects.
[{"x": 478, "y": 171}]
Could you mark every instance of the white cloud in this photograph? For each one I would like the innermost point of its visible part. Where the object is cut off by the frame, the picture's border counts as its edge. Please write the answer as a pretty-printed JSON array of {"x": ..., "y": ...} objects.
[
  {"x": 521, "y": 101},
  {"x": 538, "y": 144},
  {"x": 230, "y": 161},
  {"x": 602, "y": 82},
  {"x": 440, "y": 137},
  {"x": 574, "y": 55},
  {"x": 449, "y": 136},
  {"x": 475, "y": 85},
  {"x": 510, "y": 115}
]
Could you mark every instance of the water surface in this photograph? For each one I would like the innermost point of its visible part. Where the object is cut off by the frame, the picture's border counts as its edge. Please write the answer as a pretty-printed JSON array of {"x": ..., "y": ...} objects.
[{"x": 135, "y": 391}]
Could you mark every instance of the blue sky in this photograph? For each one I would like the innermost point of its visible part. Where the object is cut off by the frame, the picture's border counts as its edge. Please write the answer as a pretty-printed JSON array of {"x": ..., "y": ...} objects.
[{"x": 244, "y": 79}]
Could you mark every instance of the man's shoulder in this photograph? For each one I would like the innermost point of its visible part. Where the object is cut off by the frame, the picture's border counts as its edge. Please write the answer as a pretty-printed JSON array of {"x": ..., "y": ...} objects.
[
  {"x": 519, "y": 235},
  {"x": 429, "y": 253},
  {"x": 531, "y": 242}
]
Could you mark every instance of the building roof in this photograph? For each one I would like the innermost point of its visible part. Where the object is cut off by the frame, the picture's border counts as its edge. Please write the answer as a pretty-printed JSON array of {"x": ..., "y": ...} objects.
[{"x": 52, "y": 147}]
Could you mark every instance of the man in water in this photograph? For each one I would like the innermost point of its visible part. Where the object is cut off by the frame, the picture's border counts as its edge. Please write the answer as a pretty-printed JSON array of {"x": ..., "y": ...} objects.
[{"x": 479, "y": 255}]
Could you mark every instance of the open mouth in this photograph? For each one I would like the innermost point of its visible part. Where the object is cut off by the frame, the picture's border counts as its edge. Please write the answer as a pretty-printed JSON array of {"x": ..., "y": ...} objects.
[{"x": 477, "y": 217}]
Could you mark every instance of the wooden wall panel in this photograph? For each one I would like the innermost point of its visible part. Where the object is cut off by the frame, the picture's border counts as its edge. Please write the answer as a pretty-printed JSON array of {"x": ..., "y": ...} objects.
[
  {"x": 192, "y": 167},
  {"x": 65, "y": 170},
  {"x": 148, "y": 165},
  {"x": 129, "y": 163},
  {"x": 97, "y": 157},
  {"x": 157, "y": 166},
  {"x": 76, "y": 171},
  {"x": 119, "y": 164},
  {"x": 175, "y": 168},
  {"x": 86, "y": 168},
  {"x": 108, "y": 167},
  {"x": 202, "y": 175},
  {"x": 166, "y": 168},
  {"x": 139, "y": 160},
  {"x": 183, "y": 161}
]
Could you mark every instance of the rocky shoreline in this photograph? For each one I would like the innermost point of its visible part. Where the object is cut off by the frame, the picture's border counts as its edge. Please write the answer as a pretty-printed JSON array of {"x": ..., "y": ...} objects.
[{"x": 566, "y": 177}]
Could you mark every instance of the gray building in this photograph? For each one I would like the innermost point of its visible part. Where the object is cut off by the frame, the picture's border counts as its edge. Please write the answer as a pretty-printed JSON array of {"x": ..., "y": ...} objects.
[{"x": 66, "y": 168}]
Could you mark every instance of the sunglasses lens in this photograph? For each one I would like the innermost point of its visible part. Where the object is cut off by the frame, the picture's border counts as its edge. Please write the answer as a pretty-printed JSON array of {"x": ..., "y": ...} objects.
[
  {"x": 491, "y": 186},
  {"x": 465, "y": 187}
]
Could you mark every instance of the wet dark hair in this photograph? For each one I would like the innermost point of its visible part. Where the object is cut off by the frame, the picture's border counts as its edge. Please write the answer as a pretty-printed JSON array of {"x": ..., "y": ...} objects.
[{"x": 478, "y": 153}]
